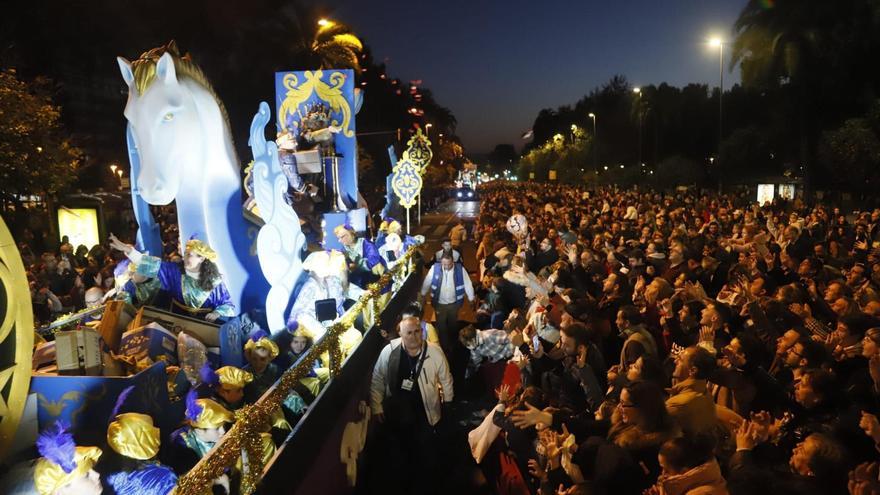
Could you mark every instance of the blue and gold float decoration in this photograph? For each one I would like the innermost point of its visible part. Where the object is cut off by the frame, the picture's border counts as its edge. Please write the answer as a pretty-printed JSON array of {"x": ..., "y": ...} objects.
[
  {"x": 313, "y": 101},
  {"x": 419, "y": 150},
  {"x": 407, "y": 183},
  {"x": 16, "y": 338}
]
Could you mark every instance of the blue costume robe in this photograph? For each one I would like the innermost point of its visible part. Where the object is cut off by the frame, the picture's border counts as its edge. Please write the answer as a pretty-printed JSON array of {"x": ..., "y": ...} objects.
[
  {"x": 186, "y": 296},
  {"x": 365, "y": 257}
]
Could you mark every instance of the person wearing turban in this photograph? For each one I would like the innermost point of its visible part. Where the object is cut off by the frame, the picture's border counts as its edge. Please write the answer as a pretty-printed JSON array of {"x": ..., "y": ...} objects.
[
  {"x": 229, "y": 385},
  {"x": 206, "y": 422},
  {"x": 195, "y": 284},
  {"x": 136, "y": 440},
  {"x": 65, "y": 468},
  {"x": 259, "y": 351}
]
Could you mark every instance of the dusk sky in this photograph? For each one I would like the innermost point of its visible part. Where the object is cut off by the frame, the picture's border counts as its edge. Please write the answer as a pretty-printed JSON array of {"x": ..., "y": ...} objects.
[{"x": 497, "y": 63}]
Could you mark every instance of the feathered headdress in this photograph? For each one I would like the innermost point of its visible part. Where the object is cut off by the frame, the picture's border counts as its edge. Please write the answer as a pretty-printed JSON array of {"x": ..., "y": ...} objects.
[
  {"x": 62, "y": 460},
  {"x": 208, "y": 376},
  {"x": 193, "y": 408},
  {"x": 56, "y": 445},
  {"x": 153, "y": 478},
  {"x": 123, "y": 396},
  {"x": 259, "y": 339}
]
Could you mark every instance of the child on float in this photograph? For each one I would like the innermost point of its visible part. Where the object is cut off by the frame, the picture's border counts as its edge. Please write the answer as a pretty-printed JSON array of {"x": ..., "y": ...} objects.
[
  {"x": 227, "y": 385},
  {"x": 135, "y": 441},
  {"x": 259, "y": 351},
  {"x": 308, "y": 387},
  {"x": 65, "y": 468},
  {"x": 206, "y": 422}
]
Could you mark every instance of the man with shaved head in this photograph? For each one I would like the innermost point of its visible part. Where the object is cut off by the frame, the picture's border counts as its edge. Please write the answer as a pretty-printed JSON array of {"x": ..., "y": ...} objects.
[{"x": 411, "y": 384}]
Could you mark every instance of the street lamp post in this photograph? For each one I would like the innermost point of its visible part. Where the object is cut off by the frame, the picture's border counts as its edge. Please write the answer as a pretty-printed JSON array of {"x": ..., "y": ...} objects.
[
  {"x": 638, "y": 91},
  {"x": 720, "y": 44},
  {"x": 595, "y": 143}
]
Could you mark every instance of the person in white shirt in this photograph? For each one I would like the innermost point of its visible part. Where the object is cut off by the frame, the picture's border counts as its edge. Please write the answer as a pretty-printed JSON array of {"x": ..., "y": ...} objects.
[
  {"x": 448, "y": 284},
  {"x": 447, "y": 249}
]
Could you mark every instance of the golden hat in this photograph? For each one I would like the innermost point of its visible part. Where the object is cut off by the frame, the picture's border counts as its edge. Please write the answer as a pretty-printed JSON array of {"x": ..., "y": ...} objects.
[
  {"x": 201, "y": 249},
  {"x": 134, "y": 435},
  {"x": 236, "y": 377},
  {"x": 306, "y": 328},
  {"x": 339, "y": 229},
  {"x": 213, "y": 415},
  {"x": 49, "y": 477},
  {"x": 262, "y": 343}
]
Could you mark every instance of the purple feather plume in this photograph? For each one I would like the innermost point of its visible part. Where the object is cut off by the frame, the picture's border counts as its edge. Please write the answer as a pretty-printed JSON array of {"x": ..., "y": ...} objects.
[
  {"x": 193, "y": 409},
  {"x": 120, "y": 401},
  {"x": 56, "y": 444},
  {"x": 258, "y": 334},
  {"x": 208, "y": 376}
]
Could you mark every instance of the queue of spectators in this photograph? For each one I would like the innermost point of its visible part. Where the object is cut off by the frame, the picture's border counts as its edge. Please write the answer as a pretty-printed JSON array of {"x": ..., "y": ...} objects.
[{"x": 678, "y": 344}]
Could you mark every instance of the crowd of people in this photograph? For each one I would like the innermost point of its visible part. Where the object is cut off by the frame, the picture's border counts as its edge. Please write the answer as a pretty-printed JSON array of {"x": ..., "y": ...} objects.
[{"x": 680, "y": 343}]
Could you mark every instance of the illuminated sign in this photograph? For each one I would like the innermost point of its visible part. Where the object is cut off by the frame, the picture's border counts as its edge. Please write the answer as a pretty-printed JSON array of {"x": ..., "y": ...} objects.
[
  {"x": 80, "y": 225},
  {"x": 765, "y": 193}
]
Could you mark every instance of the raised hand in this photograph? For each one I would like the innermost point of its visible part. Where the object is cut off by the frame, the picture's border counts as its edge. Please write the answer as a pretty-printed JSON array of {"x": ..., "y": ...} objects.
[
  {"x": 536, "y": 470},
  {"x": 503, "y": 393},
  {"x": 531, "y": 416},
  {"x": 118, "y": 245},
  {"x": 707, "y": 334}
]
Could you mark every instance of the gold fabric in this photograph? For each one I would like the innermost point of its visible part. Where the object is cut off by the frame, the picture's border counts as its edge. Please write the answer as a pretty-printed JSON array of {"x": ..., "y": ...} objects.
[
  {"x": 236, "y": 377},
  {"x": 263, "y": 343},
  {"x": 200, "y": 248},
  {"x": 49, "y": 476},
  {"x": 134, "y": 435},
  {"x": 213, "y": 415}
]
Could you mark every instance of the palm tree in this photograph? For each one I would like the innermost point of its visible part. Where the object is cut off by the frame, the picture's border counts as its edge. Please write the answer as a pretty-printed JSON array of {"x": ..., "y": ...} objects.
[
  {"x": 334, "y": 46},
  {"x": 812, "y": 54}
]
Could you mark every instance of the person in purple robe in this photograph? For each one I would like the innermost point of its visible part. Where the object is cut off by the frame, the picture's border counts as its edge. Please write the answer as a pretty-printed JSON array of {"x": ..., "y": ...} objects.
[
  {"x": 195, "y": 285},
  {"x": 365, "y": 265}
]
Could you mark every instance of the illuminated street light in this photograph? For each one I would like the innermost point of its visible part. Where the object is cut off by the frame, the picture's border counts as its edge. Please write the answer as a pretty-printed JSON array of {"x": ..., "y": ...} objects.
[
  {"x": 595, "y": 143},
  {"x": 716, "y": 42},
  {"x": 113, "y": 168},
  {"x": 325, "y": 23},
  {"x": 637, "y": 90}
]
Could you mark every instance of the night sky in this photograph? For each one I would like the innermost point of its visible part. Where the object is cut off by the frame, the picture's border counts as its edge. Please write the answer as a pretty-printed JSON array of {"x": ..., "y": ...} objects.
[{"x": 497, "y": 63}]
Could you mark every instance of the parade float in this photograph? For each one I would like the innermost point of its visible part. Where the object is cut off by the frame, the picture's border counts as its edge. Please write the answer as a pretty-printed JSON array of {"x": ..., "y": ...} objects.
[{"x": 238, "y": 292}]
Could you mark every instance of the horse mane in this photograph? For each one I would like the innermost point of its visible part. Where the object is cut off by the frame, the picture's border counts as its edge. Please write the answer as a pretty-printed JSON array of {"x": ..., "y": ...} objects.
[{"x": 144, "y": 69}]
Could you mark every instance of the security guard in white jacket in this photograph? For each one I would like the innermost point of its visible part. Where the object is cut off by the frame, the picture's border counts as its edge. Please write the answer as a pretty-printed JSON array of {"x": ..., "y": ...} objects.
[{"x": 410, "y": 372}]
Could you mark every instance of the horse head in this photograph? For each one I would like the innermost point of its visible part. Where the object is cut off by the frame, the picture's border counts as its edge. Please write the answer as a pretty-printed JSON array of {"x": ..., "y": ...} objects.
[{"x": 163, "y": 120}]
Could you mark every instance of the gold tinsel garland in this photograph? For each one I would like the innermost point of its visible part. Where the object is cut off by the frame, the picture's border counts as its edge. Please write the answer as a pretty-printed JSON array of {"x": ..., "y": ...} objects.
[{"x": 251, "y": 420}]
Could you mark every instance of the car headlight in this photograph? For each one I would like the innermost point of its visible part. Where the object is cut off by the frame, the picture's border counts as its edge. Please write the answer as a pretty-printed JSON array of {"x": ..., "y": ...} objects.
[
  {"x": 470, "y": 194},
  {"x": 458, "y": 194}
]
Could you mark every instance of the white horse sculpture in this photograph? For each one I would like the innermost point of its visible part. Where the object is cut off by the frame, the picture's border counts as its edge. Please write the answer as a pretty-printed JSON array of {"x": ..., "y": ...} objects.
[{"x": 186, "y": 152}]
